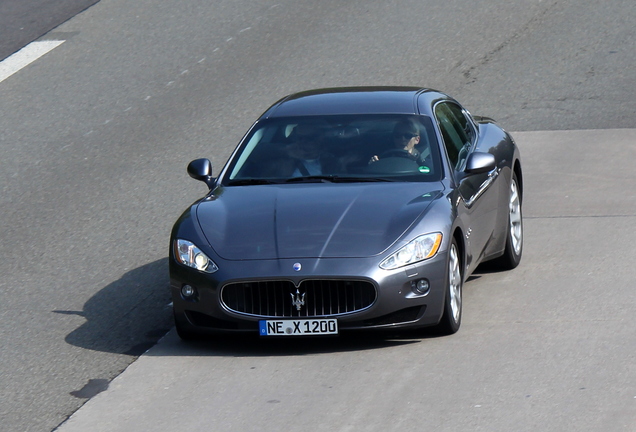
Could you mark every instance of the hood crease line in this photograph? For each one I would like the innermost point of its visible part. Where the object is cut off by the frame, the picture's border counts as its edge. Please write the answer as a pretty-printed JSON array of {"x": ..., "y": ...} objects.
[
  {"x": 336, "y": 225},
  {"x": 276, "y": 247}
]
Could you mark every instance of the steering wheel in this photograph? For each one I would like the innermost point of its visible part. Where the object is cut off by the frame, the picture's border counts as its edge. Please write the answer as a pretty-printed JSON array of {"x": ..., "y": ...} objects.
[{"x": 397, "y": 153}]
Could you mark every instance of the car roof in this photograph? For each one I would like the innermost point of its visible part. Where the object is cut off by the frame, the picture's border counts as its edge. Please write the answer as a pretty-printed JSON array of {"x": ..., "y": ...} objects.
[{"x": 351, "y": 100}]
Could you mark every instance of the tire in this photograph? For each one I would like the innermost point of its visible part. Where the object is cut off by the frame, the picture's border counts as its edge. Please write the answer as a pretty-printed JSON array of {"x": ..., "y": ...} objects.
[
  {"x": 514, "y": 238},
  {"x": 452, "y": 317}
]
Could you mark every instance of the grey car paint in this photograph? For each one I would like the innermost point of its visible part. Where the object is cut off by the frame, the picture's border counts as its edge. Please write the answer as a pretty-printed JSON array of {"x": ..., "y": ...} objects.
[{"x": 325, "y": 231}]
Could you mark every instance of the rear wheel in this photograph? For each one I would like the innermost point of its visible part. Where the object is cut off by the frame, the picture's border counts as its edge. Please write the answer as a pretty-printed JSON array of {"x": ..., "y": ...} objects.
[
  {"x": 514, "y": 239},
  {"x": 452, "y": 318}
]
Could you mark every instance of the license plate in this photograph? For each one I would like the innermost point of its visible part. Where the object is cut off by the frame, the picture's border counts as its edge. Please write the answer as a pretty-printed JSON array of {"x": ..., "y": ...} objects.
[{"x": 304, "y": 327}]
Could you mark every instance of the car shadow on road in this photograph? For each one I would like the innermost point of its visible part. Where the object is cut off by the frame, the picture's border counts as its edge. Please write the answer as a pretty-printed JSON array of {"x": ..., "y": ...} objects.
[
  {"x": 127, "y": 316},
  {"x": 242, "y": 345},
  {"x": 487, "y": 268}
]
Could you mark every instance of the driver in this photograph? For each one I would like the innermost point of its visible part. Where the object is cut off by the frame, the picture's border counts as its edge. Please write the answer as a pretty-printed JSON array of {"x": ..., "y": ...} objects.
[
  {"x": 406, "y": 135},
  {"x": 305, "y": 152}
]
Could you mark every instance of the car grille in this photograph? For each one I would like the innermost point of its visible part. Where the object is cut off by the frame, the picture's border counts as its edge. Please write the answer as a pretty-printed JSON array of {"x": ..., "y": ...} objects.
[{"x": 283, "y": 299}]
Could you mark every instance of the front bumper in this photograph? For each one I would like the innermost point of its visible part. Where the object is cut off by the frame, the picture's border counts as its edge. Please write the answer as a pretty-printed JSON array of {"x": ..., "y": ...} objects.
[{"x": 396, "y": 305}]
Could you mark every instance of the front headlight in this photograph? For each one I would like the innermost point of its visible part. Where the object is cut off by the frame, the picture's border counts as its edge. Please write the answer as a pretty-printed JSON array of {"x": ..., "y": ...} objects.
[
  {"x": 419, "y": 249},
  {"x": 188, "y": 254}
]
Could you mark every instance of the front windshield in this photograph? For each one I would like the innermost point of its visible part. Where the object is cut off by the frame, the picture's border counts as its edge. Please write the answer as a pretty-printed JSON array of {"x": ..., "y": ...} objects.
[{"x": 337, "y": 148}]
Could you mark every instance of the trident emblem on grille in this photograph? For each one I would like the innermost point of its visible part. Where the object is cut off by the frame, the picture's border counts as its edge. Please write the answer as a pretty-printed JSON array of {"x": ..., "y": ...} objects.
[{"x": 298, "y": 300}]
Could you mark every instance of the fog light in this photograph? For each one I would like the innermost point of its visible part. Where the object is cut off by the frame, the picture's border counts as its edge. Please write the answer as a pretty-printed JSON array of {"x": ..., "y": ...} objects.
[
  {"x": 188, "y": 292},
  {"x": 420, "y": 286}
]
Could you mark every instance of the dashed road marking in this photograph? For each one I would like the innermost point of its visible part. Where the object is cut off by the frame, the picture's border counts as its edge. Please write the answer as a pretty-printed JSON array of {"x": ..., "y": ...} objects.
[{"x": 26, "y": 56}]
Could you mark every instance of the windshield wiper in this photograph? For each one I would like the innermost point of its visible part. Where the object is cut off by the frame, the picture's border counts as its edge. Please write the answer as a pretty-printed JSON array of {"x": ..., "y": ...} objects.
[
  {"x": 248, "y": 182},
  {"x": 365, "y": 179},
  {"x": 335, "y": 179},
  {"x": 313, "y": 179}
]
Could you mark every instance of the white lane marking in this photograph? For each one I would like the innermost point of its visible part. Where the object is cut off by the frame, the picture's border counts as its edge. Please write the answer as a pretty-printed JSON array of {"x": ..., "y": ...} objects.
[{"x": 26, "y": 56}]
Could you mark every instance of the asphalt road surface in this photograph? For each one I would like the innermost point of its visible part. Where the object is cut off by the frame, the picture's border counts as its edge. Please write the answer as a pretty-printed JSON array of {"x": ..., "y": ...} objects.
[
  {"x": 94, "y": 139},
  {"x": 23, "y": 21}
]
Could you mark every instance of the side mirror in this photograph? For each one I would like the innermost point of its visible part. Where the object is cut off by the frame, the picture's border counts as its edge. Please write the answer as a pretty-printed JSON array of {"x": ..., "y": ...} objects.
[
  {"x": 479, "y": 162},
  {"x": 201, "y": 169}
]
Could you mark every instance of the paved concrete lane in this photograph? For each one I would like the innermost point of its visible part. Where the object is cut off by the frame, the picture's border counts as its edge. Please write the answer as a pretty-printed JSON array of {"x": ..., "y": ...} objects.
[{"x": 548, "y": 346}]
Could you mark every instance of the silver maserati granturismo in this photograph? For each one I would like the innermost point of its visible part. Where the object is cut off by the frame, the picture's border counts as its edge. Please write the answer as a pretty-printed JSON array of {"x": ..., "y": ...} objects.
[{"x": 347, "y": 209}]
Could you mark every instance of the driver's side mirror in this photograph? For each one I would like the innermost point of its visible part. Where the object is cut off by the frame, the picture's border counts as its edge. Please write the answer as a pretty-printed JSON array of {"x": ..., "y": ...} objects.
[
  {"x": 201, "y": 169},
  {"x": 480, "y": 162}
]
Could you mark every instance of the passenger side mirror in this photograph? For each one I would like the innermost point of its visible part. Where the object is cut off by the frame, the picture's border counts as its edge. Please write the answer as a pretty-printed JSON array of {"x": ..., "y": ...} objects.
[
  {"x": 479, "y": 162},
  {"x": 201, "y": 169}
]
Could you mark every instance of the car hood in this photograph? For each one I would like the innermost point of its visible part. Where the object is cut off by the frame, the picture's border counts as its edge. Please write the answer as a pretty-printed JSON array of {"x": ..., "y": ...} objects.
[{"x": 311, "y": 220}]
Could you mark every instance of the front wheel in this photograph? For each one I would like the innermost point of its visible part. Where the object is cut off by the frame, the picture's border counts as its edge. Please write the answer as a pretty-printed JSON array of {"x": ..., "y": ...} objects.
[
  {"x": 452, "y": 318},
  {"x": 514, "y": 238}
]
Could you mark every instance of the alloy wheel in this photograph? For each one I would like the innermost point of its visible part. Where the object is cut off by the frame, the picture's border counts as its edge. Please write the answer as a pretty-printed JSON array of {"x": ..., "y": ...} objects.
[
  {"x": 516, "y": 231},
  {"x": 455, "y": 284}
]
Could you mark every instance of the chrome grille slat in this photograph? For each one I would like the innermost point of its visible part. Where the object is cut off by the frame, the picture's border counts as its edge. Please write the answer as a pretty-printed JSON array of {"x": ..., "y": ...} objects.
[{"x": 275, "y": 298}]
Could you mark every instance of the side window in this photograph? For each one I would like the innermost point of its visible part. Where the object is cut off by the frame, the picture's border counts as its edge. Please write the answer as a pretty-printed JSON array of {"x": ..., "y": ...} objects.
[{"x": 456, "y": 131}]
